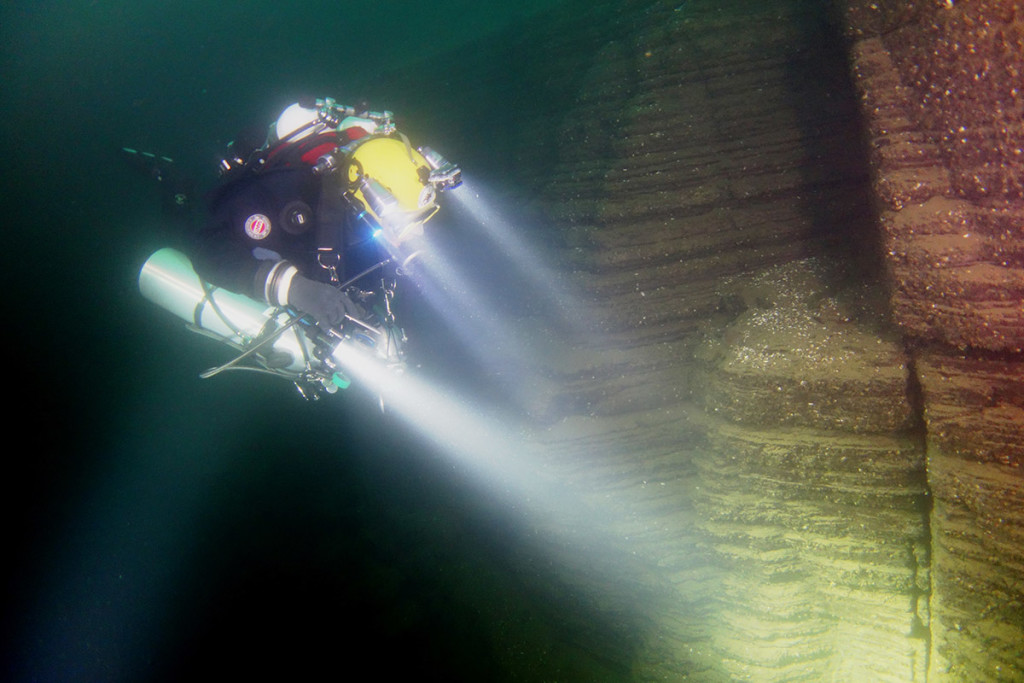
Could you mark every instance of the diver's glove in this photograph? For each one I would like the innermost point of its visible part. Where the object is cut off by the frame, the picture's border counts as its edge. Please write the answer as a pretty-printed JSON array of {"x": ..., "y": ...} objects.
[{"x": 326, "y": 304}]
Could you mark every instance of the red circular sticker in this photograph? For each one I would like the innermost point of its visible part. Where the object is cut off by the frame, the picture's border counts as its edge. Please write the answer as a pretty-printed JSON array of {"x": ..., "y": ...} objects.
[{"x": 257, "y": 226}]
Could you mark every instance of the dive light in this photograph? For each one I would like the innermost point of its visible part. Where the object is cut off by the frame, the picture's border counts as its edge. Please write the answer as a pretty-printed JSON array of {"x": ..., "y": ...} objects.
[
  {"x": 381, "y": 202},
  {"x": 396, "y": 223},
  {"x": 444, "y": 174}
]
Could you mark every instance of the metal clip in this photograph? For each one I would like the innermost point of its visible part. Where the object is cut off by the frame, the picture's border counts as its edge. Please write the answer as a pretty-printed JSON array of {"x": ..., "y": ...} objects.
[{"x": 329, "y": 260}]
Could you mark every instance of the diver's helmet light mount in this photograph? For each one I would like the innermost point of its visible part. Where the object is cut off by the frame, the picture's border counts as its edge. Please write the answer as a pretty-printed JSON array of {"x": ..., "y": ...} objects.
[{"x": 444, "y": 175}]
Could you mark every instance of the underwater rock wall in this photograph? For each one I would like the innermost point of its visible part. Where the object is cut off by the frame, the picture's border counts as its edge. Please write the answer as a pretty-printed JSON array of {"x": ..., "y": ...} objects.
[
  {"x": 753, "y": 431},
  {"x": 716, "y": 210},
  {"x": 942, "y": 94},
  {"x": 740, "y": 401},
  {"x": 812, "y": 487}
]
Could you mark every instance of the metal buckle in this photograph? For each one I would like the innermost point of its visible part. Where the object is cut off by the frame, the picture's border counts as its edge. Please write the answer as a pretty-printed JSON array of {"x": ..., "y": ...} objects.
[{"x": 329, "y": 260}]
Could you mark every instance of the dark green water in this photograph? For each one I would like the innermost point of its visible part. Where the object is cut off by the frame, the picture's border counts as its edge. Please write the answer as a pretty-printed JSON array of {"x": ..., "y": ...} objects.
[
  {"x": 168, "y": 528},
  {"x": 163, "y": 527}
]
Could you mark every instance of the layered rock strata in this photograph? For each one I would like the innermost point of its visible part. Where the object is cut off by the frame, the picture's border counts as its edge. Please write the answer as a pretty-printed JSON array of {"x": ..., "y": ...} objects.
[
  {"x": 812, "y": 488},
  {"x": 941, "y": 91},
  {"x": 755, "y": 437},
  {"x": 733, "y": 150},
  {"x": 775, "y": 488}
]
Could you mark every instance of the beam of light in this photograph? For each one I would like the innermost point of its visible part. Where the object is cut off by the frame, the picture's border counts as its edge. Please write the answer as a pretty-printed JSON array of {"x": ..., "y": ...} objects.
[
  {"x": 507, "y": 233},
  {"x": 577, "y": 517},
  {"x": 484, "y": 308},
  {"x": 586, "y": 519},
  {"x": 482, "y": 328},
  {"x": 476, "y": 308},
  {"x": 475, "y": 436},
  {"x": 581, "y": 523},
  {"x": 458, "y": 300},
  {"x": 490, "y": 446}
]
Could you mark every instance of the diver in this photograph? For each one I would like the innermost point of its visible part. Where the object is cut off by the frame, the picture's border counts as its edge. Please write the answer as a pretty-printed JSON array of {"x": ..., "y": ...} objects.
[
  {"x": 301, "y": 212},
  {"x": 297, "y": 214},
  {"x": 275, "y": 229},
  {"x": 278, "y": 270}
]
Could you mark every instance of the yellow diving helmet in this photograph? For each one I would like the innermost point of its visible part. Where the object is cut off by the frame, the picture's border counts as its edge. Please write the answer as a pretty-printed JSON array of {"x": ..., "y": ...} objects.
[{"x": 391, "y": 179}]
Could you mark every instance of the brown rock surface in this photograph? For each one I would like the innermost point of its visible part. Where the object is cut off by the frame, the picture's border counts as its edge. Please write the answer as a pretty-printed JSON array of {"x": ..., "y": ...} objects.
[
  {"x": 688, "y": 230},
  {"x": 812, "y": 486},
  {"x": 940, "y": 88},
  {"x": 758, "y": 434}
]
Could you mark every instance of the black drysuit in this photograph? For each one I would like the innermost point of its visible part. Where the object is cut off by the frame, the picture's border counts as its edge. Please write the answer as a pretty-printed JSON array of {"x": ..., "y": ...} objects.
[{"x": 261, "y": 217}]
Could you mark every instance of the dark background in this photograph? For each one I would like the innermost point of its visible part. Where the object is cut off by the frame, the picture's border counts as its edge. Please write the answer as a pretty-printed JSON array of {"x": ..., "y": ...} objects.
[{"x": 160, "y": 526}]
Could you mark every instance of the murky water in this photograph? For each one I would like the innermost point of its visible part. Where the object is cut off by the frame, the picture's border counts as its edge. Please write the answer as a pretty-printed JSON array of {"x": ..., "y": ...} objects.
[{"x": 685, "y": 444}]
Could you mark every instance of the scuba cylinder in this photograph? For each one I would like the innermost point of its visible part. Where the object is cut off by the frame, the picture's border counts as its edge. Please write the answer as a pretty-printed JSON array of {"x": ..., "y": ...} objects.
[
  {"x": 271, "y": 339},
  {"x": 168, "y": 280}
]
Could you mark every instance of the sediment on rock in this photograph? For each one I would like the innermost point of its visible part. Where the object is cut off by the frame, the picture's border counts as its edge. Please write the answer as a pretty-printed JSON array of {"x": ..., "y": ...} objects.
[
  {"x": 812, "y": 486},
  {"x": 747, "y": 418},
  {"x": 940, "y": 89}
]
